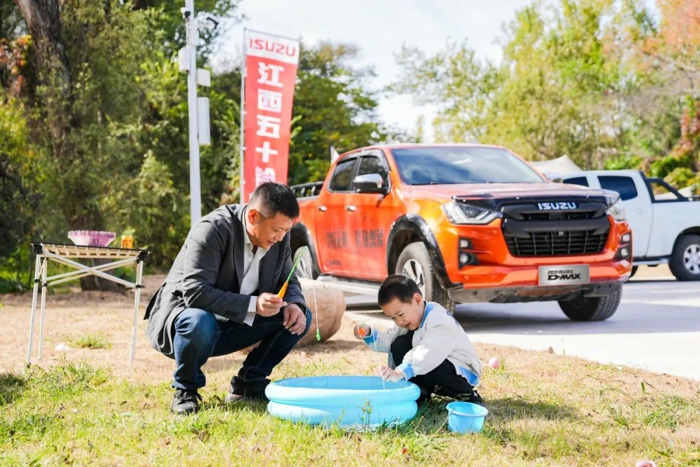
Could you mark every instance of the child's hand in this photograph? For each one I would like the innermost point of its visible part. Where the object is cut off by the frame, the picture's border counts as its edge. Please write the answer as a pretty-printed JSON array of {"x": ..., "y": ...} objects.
[
  {"x": 388, "y": 374},
  {"x": 362, "y": 330}
]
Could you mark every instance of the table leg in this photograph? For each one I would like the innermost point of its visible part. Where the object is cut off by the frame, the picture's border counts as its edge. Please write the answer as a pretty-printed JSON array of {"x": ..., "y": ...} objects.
[
  {"x": 137, "y": 299},
  {"x": 44, "y": 286},
  {"x": 37, "y": 282}
]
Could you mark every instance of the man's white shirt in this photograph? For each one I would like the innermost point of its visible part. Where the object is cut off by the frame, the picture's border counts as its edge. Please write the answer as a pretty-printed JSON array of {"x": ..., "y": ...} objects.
[{"x": 251, "y": 274}]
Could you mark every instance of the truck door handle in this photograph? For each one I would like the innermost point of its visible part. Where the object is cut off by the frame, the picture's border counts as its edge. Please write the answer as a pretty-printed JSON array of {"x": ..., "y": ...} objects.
[
  {"x": 321, "y": 208},
  {"x": 350, "y": 208}
]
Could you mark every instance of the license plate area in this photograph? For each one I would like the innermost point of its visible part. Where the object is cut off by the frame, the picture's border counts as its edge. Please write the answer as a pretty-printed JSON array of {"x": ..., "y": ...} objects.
[{"x": 564, "y": 275}]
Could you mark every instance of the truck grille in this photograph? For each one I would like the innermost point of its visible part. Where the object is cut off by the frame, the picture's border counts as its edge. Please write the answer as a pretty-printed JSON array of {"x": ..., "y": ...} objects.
[
  {"x": 556, "y": 243},
  {"x": 566, "y": 215},
  {"x": 531, "y": 232}
]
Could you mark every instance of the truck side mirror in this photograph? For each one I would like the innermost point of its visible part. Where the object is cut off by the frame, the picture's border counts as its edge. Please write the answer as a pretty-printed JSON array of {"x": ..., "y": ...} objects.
[{"x": 370, "y": 183}]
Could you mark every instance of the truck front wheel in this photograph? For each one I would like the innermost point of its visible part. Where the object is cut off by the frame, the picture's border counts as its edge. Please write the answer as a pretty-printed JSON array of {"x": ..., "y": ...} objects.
[
  {"x": 306, "y": 268},
  {"x": 591, "y": 308},
  {"x": 414, "y": 262},
  {"x": 685, "y": 258}
]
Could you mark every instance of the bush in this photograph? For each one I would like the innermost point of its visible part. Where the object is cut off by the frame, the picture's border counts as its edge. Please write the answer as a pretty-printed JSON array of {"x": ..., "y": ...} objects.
[
  {"x": 682, "y": 177},
  {"x": 623, "y": 162}
]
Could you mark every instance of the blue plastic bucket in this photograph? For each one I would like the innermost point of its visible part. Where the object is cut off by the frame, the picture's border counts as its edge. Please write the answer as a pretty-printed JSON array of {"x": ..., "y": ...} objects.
[{"x": 465, "y": 417}]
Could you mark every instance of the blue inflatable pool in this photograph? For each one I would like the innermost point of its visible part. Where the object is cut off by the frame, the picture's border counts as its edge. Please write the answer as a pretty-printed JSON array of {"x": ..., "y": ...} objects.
[{"x": 364, "y": 401}]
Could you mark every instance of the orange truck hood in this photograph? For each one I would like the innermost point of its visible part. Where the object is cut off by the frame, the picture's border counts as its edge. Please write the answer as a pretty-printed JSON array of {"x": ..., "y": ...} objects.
[{"x": 442, "y": 193}]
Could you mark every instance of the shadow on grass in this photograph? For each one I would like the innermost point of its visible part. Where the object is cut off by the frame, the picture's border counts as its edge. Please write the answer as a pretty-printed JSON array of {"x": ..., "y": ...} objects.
[
  {"x": 11, "y": 387},
  {"x": 218, "y": 403},
  {"x": 330, "y": 346},
  {"x": 515, "y": 409},
  {"x": 221, "y": 363},
  {"x": 432, "y": 417}
]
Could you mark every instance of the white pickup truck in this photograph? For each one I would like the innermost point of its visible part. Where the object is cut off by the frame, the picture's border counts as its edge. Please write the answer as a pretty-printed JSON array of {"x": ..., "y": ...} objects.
[{"x": 665, "y": 224}]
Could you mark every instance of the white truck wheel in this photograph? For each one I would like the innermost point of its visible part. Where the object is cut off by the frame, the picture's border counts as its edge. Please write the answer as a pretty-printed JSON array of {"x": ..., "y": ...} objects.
[{"x": 685, "y": 258}]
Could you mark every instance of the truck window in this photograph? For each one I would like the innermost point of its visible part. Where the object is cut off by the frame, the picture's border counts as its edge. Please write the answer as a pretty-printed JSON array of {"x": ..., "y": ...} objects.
[
  {"x": 342, "y": 175},
  {"x": 373, "y": 165},
  {"x": 662, "y": 192},
  {"x": 623, "y": 185},
  {"x": 444, "y": 165},
  {"x": 583, "y": 181}
]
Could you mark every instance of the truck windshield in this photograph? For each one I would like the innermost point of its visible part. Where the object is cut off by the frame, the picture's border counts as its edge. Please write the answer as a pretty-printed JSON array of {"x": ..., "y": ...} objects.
[{"x": 446, "y": 165}]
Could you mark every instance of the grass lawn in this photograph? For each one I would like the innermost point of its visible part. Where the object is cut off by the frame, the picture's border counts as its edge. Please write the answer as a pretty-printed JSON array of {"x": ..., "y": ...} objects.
[
  {"x": 87, "y": 407},
  {"x": 544, "y": 410}
]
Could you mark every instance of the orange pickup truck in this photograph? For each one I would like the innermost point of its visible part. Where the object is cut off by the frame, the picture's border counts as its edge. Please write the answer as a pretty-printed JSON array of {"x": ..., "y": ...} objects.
[{"x": 469, "y": 223}]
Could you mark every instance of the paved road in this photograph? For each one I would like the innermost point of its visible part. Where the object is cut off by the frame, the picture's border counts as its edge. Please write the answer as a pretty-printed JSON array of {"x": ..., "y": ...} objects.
[{"x": 656, "y": 328}]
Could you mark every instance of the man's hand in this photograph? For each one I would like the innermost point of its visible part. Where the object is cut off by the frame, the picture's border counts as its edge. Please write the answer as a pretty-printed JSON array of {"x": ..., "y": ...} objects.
[
  {"x": 388, "y": 374},
  {"x": 294, "y": 319},
  {"x": 268, "y": 304}
]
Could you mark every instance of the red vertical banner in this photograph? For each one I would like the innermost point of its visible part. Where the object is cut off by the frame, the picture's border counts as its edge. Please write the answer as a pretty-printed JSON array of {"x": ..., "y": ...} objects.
[{"x": 271, "y": 69}]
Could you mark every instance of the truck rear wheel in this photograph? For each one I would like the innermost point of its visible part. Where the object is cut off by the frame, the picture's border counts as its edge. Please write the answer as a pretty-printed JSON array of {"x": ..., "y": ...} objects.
[
  {"x": 591, "y": 308},
  {"x": 685, "y": 258},
  {"x": 414, "y": 262}
]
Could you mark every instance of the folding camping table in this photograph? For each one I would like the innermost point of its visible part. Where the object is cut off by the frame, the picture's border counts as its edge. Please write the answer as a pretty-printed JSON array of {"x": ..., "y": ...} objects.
[{"x": 66, "y": 254}]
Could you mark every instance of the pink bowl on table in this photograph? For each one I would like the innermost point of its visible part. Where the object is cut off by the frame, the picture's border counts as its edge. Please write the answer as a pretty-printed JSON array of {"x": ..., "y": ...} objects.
[{"x": 91, "y": 237}]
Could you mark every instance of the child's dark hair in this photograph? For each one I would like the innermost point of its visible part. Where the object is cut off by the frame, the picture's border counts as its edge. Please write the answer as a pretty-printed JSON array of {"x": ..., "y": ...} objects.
[{"x": 397, "y": 286}]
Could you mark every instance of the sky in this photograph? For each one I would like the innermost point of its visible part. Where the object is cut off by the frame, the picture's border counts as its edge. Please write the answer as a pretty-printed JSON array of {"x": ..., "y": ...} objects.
[{"x": 379, "y": 28}]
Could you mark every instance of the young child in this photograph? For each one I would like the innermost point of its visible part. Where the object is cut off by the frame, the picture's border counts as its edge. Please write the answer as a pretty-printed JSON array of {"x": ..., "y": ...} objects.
[{"x": 427, "y": 346}]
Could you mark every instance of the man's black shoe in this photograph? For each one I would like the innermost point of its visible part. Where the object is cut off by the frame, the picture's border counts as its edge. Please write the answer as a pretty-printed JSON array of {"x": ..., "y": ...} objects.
[
  {"x": 185, "y": 402},
  {"x": 250, "y": 390}
]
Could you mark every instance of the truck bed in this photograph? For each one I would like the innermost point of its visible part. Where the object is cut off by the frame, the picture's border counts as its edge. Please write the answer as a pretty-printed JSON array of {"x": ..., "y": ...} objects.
[{"x": 307, "y": 190}]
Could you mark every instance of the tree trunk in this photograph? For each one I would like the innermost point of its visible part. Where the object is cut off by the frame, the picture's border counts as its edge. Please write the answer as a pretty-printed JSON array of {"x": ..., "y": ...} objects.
[
  {"x": 97, "y": 283},
  {"x": 43, "y": 18},
  {"x": 44, "y": 24}
]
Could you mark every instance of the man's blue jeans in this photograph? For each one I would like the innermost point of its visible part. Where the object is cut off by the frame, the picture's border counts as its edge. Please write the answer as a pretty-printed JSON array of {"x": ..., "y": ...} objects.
[{"x": 199, "y": 335}]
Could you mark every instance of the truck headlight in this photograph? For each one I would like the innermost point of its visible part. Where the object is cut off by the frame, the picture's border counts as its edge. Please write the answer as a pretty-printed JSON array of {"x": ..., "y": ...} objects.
[
  {"x": 617, "y": 210},
  {"x": 468, "y": 214}
]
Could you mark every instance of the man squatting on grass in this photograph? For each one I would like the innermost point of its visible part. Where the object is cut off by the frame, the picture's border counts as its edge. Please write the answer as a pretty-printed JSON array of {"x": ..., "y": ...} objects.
[
  {"x": 430, "y": 347},
  {"x": 220, "y": 297}
]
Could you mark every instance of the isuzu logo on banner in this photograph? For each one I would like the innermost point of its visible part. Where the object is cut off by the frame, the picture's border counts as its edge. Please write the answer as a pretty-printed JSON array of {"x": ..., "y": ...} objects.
[{"x": 271, "y": 70}]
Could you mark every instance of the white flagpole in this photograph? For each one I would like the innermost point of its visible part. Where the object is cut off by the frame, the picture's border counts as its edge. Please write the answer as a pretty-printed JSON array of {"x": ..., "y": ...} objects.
[
  {"x": 192, "y": 38},
  {"x": 242, "y": 120}
]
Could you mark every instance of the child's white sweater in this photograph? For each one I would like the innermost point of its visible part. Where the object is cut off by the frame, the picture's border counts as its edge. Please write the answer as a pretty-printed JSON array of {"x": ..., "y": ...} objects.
[{"x": 439, "y": 337}]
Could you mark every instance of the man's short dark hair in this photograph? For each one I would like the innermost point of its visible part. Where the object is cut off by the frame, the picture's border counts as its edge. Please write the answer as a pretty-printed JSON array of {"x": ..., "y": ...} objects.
[
  {"x": 271, "y": 198},
  {"x": 397, "y": 286}
]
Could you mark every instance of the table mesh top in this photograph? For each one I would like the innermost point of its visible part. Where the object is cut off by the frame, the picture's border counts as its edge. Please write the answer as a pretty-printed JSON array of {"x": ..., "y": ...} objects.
[{"x": 84, "y": 251}]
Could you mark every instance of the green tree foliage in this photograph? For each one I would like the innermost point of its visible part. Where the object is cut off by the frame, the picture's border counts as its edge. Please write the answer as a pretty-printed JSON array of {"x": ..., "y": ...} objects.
[
  {"x": 552, "y": 94},
  {"x": 171, "y": 23},
  {"x": 18, "y": 200},
  {"x": 78, "y": 112},
  {"x": 95, "y": 130},
  {"x": 333, "y": 106},
  {"x": 669, "y": 51},
  {"x": 461, "y": 85},
  {"x": 602, "y": 81},
  {"x": 154, "y": 202},
  {"x": 106, "y": 123}
]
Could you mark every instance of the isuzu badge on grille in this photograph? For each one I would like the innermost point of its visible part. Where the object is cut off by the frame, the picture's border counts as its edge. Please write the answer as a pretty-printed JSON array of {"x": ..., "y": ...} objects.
[{"x": 556, "y": 206}]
